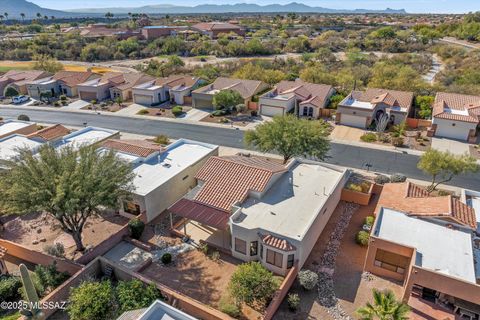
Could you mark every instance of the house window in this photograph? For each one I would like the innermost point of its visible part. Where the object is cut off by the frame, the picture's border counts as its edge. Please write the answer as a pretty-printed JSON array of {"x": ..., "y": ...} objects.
[
  {"x": 253, "y": 248},
  {"x": 131, "y": 208},
  {"x": 240, "y": 246},
  {"x": 391, "y": 261},
  {"x": 290, "y": 259},
  {"x": 305, "y": 111},
  {"x": 310, "y": 112},
  {"x": 274, "y": 258},
  {"x": 261, "y": 251}
]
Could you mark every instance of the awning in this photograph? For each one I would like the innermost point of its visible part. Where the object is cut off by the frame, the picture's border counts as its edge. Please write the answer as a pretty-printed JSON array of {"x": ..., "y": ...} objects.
[{"x": 200, "y": 213}]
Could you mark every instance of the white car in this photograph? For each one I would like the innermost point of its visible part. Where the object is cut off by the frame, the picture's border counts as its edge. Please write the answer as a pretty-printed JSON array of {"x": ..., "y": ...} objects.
[{"x": 20, "y": 99}]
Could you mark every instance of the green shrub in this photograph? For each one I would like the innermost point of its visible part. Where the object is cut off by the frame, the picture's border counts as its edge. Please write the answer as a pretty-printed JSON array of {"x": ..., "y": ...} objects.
[
  {"x": 92, "y": 300},
  {"x": 166, "y": 258},
  {"x": 177, "y": 111},
  {"x": 49, "y": 277},
  {"x": 162, "y": 139},
  {"x": 308, "y": 279},
  {"x": 398, "y": 141},
  {"x": 293, "y": 300},
  {"x": 396, "y": 178},
  {"x": 362, "y": 238},
  {"x": 227, "y": 305},
  {"x": 11, "y": 92},
  {"x": 354, "y": 187},
  {"x": 369, "y": 137},
  {"x": 253, "y": 284},
  {"x": 369, "y": 220},
  {"x": 9, "y": 286},
  {"x": 143, "y": 112},
  {"x": 382, "y": 179},
  {"x": 135, "y": 294},
  {"x": 56, "y": 104},
  {"x": 23, "y": 117},
  {"x": 63, "y": 97},
  {"x": 136, "y": 227},
  {"x": 219, "y": 113}
]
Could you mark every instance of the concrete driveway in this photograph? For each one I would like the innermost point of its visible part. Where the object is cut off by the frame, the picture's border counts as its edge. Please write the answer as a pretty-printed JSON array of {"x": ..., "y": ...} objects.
[
  {"x": 346, "y": 133},
  {"x": 77, "y": 105},
  {"x": 453, "y": 146}
]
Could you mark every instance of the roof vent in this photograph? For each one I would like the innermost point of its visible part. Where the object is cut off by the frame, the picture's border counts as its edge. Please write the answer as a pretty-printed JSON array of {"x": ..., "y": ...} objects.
[{"x": 166, "y": 165}]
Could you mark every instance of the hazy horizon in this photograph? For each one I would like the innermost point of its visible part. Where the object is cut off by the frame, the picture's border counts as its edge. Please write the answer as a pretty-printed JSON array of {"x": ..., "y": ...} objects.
[{"x": 411, "y": 6}]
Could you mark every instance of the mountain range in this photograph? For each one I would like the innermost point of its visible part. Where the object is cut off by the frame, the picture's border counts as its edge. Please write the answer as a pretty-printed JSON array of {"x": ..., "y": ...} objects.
[
  {"x": 228, "y": 8},
  {"x": 14, "y": 8}
]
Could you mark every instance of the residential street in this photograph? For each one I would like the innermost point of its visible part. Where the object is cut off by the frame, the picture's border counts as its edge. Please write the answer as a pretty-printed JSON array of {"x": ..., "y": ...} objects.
[{"x": 340, "y": 154}]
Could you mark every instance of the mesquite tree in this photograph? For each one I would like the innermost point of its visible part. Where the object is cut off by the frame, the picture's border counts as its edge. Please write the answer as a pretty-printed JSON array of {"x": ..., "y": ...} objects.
[{"x": 72, "y": 185}]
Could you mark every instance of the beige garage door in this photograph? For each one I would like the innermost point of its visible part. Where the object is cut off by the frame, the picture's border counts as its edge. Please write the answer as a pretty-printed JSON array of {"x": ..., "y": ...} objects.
[
  {"x": 87, "y": 96},
  {"x": 142, "y": 99},
  {"x": 203, "y": 103},
  {"x": 353, "y": 121},
  {"x": 271, "y": 111}
]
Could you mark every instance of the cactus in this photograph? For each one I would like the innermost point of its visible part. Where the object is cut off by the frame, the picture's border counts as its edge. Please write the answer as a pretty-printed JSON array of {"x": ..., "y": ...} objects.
[{"x": 32, "y": 311}]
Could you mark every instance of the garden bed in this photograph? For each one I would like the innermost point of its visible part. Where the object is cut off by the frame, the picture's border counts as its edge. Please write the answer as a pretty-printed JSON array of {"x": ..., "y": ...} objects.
[
  {"x": 106, "y": 107},
  {"x": 165, "y": 112},
  {"x": 236, "y": 119}
]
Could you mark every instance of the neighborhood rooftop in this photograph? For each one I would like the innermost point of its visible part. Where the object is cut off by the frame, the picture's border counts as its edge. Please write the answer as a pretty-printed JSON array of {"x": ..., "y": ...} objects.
[
  {"x": 85, "y": 136},
  {"x": 293, "y": 202},
  {"x": 439, "y": 248},
  {"x": 459, "y": 107},
  {"x": 10, "y": 126},
  {"x": 372, "y": 96},
  {"x": 9, "y": 146}
]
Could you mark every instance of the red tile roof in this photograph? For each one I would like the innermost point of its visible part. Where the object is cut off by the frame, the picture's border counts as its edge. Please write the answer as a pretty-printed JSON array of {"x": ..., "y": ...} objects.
[
  {"x": 141, "y": 148},
  {"x": 201, "y": 213},
  {"x": 50, "y": 133},
  {"x": 415, "y": 201},
  {"x": 468, "y": 105},
  {"x": 278, "y": 243},
  {"x": 210, "y": 26},
  {"x": 315, "y": 94},
  {"x": 227, "y": 180},
  {"x": 72, "y": 78}
]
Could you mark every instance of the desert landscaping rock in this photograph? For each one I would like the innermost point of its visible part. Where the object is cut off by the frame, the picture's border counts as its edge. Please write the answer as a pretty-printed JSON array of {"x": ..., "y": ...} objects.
[{"x": 326, "y": 268}]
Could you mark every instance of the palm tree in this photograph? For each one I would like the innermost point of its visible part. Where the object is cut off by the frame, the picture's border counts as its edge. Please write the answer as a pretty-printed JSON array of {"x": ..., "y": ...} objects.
[
  {"x": 6, "y": 15},
  {"x": 45, "y": 17},
  {"x": 23, "y": 16},
  {"x": 384, "y": 307},
  {"x": 1, "y": 17},
  {"x": 39, "y": 15},
  {"x": 108, "y": 15}
]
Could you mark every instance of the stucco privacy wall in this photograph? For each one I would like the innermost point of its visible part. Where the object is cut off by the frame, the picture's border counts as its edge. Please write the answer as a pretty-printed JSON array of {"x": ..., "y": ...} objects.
[{"x": 35, "y": 257}]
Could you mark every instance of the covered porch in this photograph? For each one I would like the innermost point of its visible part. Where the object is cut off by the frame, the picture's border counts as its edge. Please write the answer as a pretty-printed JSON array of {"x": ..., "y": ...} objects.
[{"x": 201, "y": 224}]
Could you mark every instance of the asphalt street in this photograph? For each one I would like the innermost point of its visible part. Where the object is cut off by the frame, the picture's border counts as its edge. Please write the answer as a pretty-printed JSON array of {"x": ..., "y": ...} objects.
[{"x": 341, "y": 154}]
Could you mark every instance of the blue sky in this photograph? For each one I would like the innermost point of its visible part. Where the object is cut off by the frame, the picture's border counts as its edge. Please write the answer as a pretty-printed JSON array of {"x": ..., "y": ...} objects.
[{"x": 414, "y": 6}]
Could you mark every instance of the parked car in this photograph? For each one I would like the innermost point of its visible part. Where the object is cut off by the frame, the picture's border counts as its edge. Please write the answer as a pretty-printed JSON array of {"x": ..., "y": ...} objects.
[{"x": 20, "y": 99}]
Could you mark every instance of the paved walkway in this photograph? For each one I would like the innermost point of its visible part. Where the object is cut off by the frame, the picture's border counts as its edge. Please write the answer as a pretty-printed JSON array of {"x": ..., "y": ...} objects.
[
  {"x": 196, "y": 114},
  {"x": 131, "y": 110},
  {"x": 453, "y": 146},
  {"x": 76, "y": 105}
]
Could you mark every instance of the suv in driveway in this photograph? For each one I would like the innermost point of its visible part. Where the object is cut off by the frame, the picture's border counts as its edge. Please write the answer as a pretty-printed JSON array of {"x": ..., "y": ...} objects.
[{"x": 20, "y": 99}]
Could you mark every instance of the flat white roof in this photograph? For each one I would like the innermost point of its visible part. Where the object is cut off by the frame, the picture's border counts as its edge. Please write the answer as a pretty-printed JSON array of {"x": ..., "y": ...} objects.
[
  {"x": 350, "y": 102},
  {"x": 44, "y": 81},
  {"x": 160, "y": 168},
  {"x": 293, "y": 202},
  {"x": 12, "y": 125},
  {"x": 84, "y": 137},
  {"x": 10, "y": 145},
  {"x": 439, "y": 248},
  {"x": 148, "y": 86},
  {"x": 159, "y": 310}
]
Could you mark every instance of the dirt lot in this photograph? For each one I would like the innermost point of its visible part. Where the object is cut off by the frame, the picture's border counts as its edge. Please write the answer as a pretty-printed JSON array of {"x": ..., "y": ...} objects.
[
  {"x": 351, "y": 289},
  {"x": 38, "y": 230}
]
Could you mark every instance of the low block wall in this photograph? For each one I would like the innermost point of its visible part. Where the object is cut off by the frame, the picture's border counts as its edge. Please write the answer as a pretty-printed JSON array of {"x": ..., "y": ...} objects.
[
  {"x": 281, "y": 293},
  {"x": 356, "y": 197},
  {"x": 418, "y": 123},
  {"x": 35, "y": 257},
  {"x": 104, "y": 246}
]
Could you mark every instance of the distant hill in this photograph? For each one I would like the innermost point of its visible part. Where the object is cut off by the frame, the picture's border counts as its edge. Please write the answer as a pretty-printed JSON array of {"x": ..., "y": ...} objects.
[
  {"x": 235, "y": 8},
  {"x": 15, "y": 7}
]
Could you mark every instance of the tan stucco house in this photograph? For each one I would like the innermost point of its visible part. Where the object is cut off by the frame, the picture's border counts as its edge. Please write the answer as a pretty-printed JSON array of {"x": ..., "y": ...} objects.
[
  {"x": 203, "y": 97},
  {"x": 266, "y": 211},
  {"x": 456, "y": 116},
  {"x": 174, "y": 88},
  {"x": 213, "y": 29},
  {"x": 62, "y": 82},
  {"x": 112, "y": 85},
  {"x": 306, "y": 99},
  {"x": 361, "y": 108},
  {"x": 428, "y": 244},
  {"x": 19, "y": 80}
]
